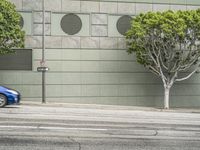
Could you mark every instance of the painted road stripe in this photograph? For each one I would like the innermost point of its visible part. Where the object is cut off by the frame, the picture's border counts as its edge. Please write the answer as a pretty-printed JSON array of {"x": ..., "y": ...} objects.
[{"x": 53, "y": 128}]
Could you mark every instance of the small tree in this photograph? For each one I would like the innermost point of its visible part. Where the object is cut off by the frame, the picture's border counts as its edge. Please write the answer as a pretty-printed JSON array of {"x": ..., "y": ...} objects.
[
  {"x": 168, "y": 44},
  {"x": 11, "y": 35}
]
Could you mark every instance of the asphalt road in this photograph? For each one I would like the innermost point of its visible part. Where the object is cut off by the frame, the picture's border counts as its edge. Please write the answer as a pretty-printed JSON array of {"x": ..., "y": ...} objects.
[{"x": 90, "y": 128}]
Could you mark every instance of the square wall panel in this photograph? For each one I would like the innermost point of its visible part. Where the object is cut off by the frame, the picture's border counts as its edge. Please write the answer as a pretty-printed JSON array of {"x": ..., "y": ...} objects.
[
  {"x": 70, "y": 24},
  {"x": 178, "y": 7},
  {"x": 26, "y": 22},
  {"x": 161, "y": 7},
  {"x": 189, "y": 7},
  {"x": 193, "y": 2},
  {"x": 118, "y": 25}
]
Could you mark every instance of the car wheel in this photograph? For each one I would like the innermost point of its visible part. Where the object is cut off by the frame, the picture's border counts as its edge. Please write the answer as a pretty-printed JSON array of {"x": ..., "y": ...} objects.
[{"x": 3, "y": 100}]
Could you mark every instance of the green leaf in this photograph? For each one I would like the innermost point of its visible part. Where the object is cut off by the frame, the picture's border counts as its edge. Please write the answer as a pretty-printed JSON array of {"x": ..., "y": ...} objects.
[{"x": 11, "y": 35}]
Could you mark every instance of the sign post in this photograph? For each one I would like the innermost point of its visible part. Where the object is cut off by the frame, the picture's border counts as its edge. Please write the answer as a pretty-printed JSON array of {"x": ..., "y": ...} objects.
[
  {"x": 43, "y": 70},
  {"x": 42, "y": 67}
]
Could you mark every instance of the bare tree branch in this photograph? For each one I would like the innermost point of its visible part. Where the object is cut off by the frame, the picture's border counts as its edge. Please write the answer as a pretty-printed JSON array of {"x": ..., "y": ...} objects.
[
  {"x": 162, "y": 62},
  {"x": 164, "y": 79},
  {"x": 153, "y": 70},
  {"x": 188, "y": 76},
  {"x": 189, "y": 64}
]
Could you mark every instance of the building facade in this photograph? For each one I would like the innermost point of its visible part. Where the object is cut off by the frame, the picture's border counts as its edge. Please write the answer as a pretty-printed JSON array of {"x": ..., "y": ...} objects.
[{"x": 86, "y": 54}]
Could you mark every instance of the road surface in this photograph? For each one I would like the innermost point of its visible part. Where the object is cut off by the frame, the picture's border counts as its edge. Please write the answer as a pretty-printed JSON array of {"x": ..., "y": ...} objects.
[{"x": 96, "y": 128}]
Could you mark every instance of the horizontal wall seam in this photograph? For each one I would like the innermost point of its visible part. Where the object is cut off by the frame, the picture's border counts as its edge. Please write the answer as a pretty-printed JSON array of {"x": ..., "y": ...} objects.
[
  {"x": 143, "y": 2},
  {"x": 98, "y": 72},
  {"x": 77, "y": 48},
  {"x": 100, "y": 60},
  {"x": 92, "y": 49},
  {"x": 115, "y": 96},
  {"x": 99, "y": 84}
]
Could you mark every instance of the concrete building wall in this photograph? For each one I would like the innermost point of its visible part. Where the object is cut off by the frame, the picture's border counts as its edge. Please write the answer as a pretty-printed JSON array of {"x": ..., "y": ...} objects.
[{"x": 92, "y": 66}]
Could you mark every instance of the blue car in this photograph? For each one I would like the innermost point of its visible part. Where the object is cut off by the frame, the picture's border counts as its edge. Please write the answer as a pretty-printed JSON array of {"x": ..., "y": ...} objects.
[{"x": 8, "y": 96}]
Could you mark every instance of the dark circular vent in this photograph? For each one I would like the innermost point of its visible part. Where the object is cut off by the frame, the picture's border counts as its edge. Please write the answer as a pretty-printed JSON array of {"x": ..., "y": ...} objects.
[
  {"x": 21, "y": 22},
  {"x": 124, "y": 24},
  {"x": 71, "y": 24}
]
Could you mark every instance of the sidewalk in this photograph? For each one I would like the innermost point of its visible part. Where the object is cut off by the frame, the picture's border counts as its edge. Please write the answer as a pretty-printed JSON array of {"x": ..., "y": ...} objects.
[{"x": 110, "y": 107}]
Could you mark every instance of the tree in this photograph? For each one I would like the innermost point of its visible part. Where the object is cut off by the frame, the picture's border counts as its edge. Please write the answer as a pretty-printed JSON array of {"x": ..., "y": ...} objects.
[
  {"x": 11, "y": 35},
  {"x": 168, "y": 44}
]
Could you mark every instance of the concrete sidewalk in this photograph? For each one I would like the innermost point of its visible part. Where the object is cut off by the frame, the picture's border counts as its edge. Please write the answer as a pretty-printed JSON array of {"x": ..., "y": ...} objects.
[{"x": 110, "y": 107}]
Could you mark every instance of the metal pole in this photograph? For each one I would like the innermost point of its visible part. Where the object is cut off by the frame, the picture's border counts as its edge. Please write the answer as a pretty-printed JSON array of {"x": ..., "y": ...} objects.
[
  {"x": 43, "y": 88},
  {"x": 43, "y": 55}
]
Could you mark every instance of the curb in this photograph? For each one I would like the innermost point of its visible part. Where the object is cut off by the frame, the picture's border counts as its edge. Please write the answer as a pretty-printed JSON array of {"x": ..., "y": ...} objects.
[{"x": 109, "y": 107}]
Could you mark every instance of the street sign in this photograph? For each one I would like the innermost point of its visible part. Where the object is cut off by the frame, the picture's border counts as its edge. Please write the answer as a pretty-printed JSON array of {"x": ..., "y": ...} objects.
[{"x": 42, "y": 69}]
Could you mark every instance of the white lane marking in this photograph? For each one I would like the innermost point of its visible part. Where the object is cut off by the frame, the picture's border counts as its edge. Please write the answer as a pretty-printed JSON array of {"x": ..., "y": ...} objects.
[{"x": 53, "y": 128}]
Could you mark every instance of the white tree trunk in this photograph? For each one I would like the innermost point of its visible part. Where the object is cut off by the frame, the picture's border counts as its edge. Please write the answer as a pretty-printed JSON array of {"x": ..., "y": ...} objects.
[{"x": 166, "y": 98}]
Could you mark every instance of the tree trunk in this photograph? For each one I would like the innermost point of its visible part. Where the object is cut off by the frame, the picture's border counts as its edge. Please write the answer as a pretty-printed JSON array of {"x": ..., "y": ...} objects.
[{"x": 166, "y": 98}]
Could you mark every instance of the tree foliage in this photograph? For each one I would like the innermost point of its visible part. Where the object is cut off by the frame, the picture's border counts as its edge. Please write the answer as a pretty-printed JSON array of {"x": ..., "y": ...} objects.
[
  {"x": 11, "y": 35},
  {"x": 167, "y": 43}
]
